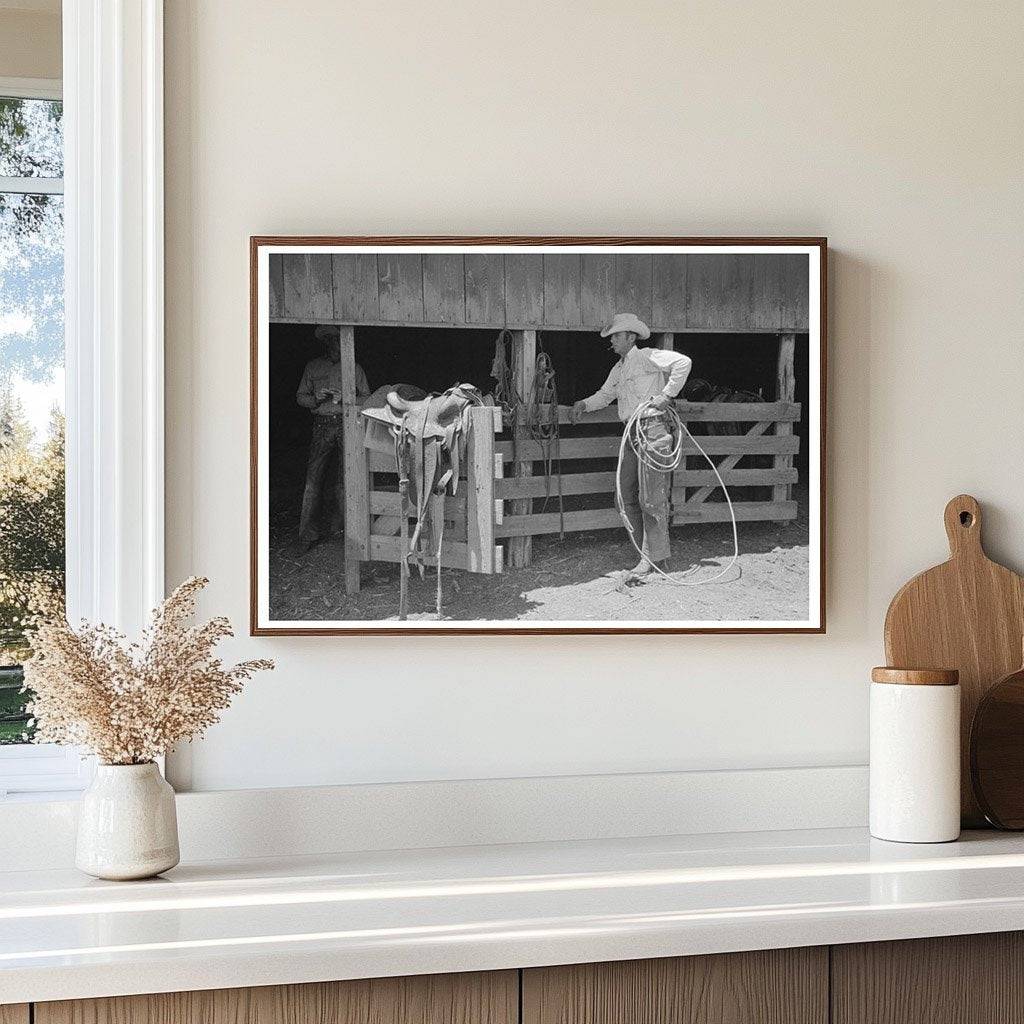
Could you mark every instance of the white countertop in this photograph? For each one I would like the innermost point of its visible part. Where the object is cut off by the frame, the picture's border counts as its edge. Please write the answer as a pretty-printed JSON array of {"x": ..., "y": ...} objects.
[{"x": 261, "y": 922}]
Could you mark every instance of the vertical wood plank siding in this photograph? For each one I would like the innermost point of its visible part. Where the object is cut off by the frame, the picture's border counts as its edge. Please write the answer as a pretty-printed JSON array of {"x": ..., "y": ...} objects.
[
  {"x": 764, "y": 292},
  {"x": 355, "y": 288},
  {"x": 296, "y": 286},
  {"x": 633, "y": 282},
  {"x": 485, "y": 288},
  {"x": 275, "y": 270},
  {"x": 598, "y": 298},
  {"x": 321, "y": 286},
  {"x": 562, "y": 285},
  {"x": 795, "y": 293},
  {"x": 400, "y": 286},
  {"x": 720, "y": 291},
  {"x": 669, "y": 291},
  {"x": 444, "y": 288},
  {"x": 524, "y": 290}
]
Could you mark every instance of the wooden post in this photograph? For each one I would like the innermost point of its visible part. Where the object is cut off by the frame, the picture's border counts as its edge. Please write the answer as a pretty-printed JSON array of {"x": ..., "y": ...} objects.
[
  {"x": 480, "y": 490},
  {"x": 785, "y": 391},
  {"x": 666, "y": 340},
  {"x": 357, "y": 496},
  {"x": 524, "y": 343}
]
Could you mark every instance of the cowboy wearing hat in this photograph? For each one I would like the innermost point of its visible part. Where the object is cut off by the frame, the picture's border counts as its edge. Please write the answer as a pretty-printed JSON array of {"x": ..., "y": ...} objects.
[
  {"x": 642, "y": 374},
  {"x": 320, "y": 392}
]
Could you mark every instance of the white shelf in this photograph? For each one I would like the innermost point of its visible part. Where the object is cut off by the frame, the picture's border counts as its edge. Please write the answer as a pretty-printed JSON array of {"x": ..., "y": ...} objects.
[{"x": 351, "y": 915}]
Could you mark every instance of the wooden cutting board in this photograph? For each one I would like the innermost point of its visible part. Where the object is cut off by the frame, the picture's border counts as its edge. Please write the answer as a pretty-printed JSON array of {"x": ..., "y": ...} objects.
[{"x": 967, "y": 614}]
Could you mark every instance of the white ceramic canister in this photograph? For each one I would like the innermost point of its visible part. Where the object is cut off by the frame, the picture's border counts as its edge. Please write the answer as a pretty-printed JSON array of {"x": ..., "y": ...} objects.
[
  {"x": 127, "y": 825},
  {"x": 915, "y": 755}
]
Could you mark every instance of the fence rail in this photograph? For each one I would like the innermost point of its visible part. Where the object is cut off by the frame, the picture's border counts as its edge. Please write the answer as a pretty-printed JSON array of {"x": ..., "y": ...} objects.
[
  {"x": 598, "y": 483},
  {"x": 693, "y": 412},
  {"x": 608, "y": 518},
  {"x": 608, "y": 447}
]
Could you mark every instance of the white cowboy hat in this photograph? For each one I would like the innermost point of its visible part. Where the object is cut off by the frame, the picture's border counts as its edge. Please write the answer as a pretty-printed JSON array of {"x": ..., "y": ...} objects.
[
  {"x": 324, "y": 331},
  {"x": 627, "y": 322}
]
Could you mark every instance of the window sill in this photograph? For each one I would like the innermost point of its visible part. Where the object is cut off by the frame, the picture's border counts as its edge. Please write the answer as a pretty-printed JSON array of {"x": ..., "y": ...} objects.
[{"x": 44, "y": 771}]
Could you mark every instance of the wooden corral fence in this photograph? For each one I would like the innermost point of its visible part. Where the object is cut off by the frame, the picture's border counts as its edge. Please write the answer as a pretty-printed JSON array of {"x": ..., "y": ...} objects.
[
  {"x": 691, "y": 487},
  {"x": 495, "y": 499},
  {"x": 763, "y": 293}
]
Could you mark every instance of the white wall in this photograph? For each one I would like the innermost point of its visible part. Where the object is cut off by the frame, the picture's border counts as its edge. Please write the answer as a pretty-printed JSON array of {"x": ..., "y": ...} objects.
[
  {"x": 895, "y": 129},
  {"x": 30, "y": 39}
]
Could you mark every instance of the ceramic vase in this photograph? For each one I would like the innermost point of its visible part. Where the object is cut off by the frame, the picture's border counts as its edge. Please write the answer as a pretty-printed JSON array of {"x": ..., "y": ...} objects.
[{"x": 127, "y": 825}]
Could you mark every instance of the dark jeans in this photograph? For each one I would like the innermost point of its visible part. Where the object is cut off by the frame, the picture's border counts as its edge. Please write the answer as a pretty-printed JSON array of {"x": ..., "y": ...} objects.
[
  {"x": 645, "y": 493},
  {"x": 328, "y": 432}
]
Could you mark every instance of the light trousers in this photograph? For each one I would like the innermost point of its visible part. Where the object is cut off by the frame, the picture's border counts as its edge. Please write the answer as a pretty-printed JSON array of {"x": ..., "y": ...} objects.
[{"x": 645, "y": 494}]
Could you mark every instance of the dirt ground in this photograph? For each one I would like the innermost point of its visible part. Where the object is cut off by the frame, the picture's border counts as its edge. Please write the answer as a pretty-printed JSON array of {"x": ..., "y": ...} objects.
[{"x": 581, "y": 577}]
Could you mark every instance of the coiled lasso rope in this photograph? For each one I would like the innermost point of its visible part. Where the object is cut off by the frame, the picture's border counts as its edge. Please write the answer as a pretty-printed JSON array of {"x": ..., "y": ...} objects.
[{"x": 637, "y": 437}]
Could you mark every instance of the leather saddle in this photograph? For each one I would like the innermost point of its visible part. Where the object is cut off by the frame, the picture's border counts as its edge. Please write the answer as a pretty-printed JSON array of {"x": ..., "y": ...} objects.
[
  {"x": 428, "y": 435},
  {"x": 435, "y": 422}
]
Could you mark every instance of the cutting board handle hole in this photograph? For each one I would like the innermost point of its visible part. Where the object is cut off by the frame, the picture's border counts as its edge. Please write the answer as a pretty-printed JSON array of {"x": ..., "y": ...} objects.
[{"x": 966, "y": 519}]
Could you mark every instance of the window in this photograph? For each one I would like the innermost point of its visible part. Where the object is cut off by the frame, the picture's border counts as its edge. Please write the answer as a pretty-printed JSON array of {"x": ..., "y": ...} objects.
[
  {"x": 32, "y": 515},
  {"x": 98, "y": 161}
]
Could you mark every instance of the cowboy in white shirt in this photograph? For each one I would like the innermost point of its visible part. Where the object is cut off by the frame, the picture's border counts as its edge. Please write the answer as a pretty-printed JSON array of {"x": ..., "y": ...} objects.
[{"x": 642, "y": 374}]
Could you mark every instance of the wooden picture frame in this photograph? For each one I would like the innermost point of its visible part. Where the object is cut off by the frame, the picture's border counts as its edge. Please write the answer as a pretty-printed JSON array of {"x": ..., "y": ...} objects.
[{"x": 452, "y": 283}]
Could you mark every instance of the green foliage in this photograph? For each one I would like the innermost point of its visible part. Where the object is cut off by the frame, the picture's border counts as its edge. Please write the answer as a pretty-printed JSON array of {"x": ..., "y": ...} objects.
[
  {"x": 31, "y": 544},
  {"x": 14, "y": 727}
]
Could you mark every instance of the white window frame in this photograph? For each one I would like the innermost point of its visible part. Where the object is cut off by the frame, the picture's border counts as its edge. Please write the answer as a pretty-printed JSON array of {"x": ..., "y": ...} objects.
[
  {"x": 32, "y": 88},
  {"x": 114, "y": 334}
]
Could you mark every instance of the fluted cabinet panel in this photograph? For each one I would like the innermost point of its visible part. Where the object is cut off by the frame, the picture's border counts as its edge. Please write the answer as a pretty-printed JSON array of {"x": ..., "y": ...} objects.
[
  {"x": 778, "y": 986},
  {"x": 960, "y": 979},
  {"x": 490, "y": 998}
]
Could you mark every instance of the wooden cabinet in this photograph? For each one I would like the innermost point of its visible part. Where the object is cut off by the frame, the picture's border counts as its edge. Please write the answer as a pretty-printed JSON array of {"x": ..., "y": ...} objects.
[
  {"x": 490, "y": 998},
  {"x": 776, "y": 986},
  {"x": 962, "y": 979},
  {"x": 970, "y": 979}
]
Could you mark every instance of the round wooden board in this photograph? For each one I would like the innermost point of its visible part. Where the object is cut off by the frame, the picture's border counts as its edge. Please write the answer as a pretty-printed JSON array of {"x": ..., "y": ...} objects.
[{"x": 997, "y": 752}]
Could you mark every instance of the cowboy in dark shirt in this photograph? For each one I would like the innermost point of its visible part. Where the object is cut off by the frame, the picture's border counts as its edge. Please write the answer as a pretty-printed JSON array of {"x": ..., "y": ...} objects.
[{"x": 320, "y": 392}]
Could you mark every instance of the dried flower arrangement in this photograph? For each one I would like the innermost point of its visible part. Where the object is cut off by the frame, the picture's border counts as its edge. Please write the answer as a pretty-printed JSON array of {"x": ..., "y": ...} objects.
[{"x": 129, "y": 703}]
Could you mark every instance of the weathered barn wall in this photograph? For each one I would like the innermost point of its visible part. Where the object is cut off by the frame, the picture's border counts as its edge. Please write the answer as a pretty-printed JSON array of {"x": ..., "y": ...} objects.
[{"x": 575, "y": 291}]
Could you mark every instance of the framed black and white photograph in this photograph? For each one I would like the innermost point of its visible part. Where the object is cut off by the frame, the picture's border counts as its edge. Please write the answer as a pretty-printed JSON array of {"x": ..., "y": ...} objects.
[{"x": 537, "y": 435}]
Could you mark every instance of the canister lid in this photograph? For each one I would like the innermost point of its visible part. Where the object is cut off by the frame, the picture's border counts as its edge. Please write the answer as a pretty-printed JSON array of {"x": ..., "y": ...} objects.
[{"x": 916, "y": 676}]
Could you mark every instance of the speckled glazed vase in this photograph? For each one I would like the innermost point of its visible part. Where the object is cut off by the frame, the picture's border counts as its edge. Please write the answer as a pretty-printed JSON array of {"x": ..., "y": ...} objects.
[{"x": 127, "y": 825}]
